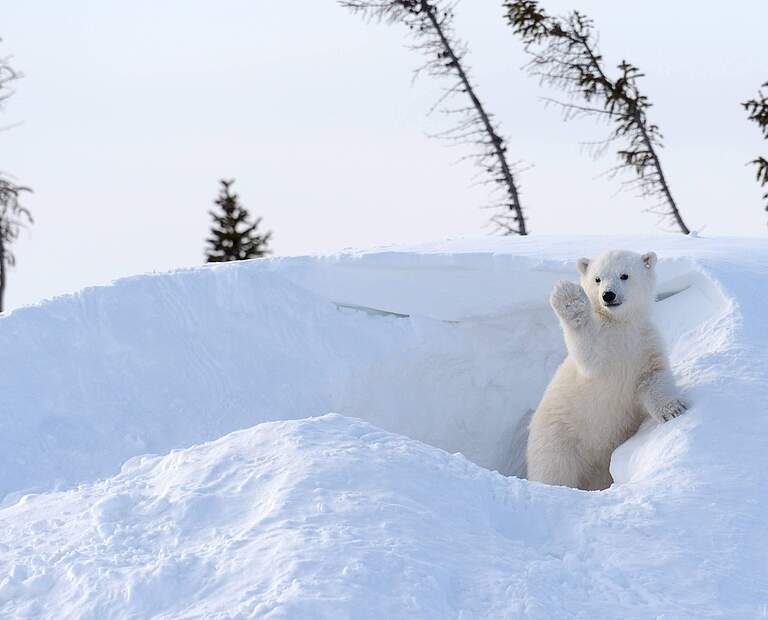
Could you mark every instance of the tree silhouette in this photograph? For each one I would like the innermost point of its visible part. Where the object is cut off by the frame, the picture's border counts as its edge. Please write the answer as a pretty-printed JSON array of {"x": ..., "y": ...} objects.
[
  {"x": 13, "y": 216},
  {"x": 430, "y": 24},
  {"x": 758, "y": 112},
  {"x": 565, "y": 54},
  {"x": 233, "y": 236}
]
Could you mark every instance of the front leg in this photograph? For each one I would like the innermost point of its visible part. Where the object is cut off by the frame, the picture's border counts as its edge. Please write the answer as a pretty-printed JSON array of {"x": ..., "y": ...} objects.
[
  {"x": 577, "y": 319},
  {"x": 660, "y": 397}
]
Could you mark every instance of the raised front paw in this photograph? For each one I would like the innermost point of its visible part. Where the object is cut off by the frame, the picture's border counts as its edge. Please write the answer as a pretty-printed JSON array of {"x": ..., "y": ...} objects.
[
  {"x": 671, "y": 410},
  {"x": 570, "y": 302}
]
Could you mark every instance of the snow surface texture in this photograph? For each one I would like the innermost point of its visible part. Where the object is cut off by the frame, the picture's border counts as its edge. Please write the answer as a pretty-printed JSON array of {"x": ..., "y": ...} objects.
[{"x": 327, "y": 516}]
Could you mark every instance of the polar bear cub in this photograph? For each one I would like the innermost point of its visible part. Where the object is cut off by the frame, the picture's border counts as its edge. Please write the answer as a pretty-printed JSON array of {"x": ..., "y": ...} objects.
[{"x": 616, "y": 372}]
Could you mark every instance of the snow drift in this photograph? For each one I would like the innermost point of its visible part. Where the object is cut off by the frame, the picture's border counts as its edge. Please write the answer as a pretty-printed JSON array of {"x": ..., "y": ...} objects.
[{"x": 449, "y": 345}]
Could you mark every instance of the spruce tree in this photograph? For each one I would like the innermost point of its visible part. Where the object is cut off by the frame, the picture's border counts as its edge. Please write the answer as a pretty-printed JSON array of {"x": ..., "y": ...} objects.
[
  {"x": 565, "y": 54},
  {"x": 233, "y": 235}
]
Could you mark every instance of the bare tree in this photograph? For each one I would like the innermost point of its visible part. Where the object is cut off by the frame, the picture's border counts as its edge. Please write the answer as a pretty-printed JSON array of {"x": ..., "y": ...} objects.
[
  {"x": 13, "y": 216},
  {"x": 565, "y": 54},
  {"x": 430, "y": 23},
  {"x": 758, "y": 112}
]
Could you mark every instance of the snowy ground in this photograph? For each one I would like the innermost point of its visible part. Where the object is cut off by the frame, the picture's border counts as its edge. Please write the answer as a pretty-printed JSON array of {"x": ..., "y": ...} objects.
[{"x": 308, "y": 413}]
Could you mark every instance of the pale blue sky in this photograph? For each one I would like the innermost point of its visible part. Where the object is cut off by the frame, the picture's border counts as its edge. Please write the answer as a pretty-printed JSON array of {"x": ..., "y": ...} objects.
[{"x": 132, "y": 111}]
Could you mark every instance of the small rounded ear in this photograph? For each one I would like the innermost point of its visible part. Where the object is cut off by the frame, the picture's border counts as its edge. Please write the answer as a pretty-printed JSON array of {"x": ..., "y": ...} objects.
[
  {"x": 582, "y": 265},
  {"x": 649, "y": 260}
]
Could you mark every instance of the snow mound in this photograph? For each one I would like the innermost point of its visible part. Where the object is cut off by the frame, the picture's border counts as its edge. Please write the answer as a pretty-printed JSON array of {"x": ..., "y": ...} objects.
[
  {"x": 314, "y": 518},
  {"x": 331, "y": 517},
  {"x": 450, "y": 345}
]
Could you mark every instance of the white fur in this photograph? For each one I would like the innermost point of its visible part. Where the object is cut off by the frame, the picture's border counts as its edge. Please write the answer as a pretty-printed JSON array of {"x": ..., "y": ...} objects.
[{"x": 616, "y": 373}]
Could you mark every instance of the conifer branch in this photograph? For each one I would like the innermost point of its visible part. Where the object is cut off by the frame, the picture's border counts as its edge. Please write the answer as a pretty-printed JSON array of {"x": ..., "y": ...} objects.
[{"x": 758, "y": 113}]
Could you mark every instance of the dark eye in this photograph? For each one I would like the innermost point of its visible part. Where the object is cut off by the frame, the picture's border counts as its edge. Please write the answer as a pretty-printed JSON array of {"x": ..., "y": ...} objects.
[
  {"x": 624, "y": 276},
  {"x": 597, "y": 280}
]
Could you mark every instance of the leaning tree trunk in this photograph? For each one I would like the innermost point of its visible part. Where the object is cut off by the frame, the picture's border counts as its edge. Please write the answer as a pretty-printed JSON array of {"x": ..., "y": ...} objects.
[
  {"x": 495, "y": 141},
  {"x": 673, "y": 210},
  {"x": 2, "y": 272}
]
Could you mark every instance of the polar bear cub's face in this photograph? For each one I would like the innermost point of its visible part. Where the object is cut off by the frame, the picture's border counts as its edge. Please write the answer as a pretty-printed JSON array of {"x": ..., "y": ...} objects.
[{"x": 619, "y": 284}]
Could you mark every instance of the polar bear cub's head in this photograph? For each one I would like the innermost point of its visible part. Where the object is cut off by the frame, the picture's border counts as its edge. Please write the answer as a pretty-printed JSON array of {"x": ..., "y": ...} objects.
[{"x": 620, "y": 284}]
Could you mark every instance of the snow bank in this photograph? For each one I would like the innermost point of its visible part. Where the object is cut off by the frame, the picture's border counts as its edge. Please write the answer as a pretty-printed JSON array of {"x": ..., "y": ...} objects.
[
  {"x": 459, "y": 348},
  {"x": 158, "y": 362},
  {"x": 321, "y": 518},
  {"x": 449, "y": 344}
]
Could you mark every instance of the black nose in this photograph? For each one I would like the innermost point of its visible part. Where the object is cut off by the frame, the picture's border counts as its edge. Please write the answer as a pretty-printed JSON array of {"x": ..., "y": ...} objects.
[{"x": 609, "y": 296}]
